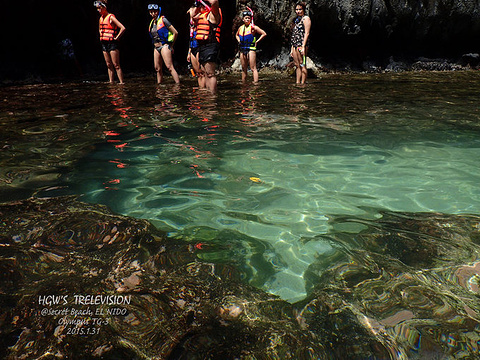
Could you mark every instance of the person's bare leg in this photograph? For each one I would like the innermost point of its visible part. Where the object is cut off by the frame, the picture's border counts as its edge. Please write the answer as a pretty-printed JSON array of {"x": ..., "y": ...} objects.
[
  {"x": 110, "y": 67},
  {"x": 198, "y": 71},
  {"x": 252, "y": 56},
  {"x": 210, "y": 78},
  {"x": 244, "y": 62},
  {"x": 167, "y": 59},
  {"x": 297, "y": 59},
  {"x": 115, "y": 56},
  {"x": 158, "y": 64},
  {"x": 304, "y": 67}
]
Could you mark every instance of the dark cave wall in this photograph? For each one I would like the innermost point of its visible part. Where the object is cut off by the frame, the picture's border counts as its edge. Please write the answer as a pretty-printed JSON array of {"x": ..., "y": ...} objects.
[{"x": 351, "y": 30}]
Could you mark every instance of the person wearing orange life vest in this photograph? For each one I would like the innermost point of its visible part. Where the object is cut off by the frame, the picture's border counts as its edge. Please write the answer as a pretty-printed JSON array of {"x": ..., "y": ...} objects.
[
  {"x": 163, "y": 36},
  {"x": 247, "y": 39},
  {"x": 209, "y": 22},
  {"x": 110, "y": 30}
]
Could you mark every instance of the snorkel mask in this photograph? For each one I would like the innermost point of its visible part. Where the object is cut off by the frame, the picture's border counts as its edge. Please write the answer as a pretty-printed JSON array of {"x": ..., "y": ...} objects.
[
  {"x": 246, "y": 13},
  {"x": 99, "y": 4},
  {"x": 153, "y": 7}
]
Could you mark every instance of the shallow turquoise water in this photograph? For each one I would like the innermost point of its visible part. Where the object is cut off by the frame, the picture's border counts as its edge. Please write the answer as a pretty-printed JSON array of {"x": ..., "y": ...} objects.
[
  {"x": 258, "y": 172},
  {"x": 344, "y": 190}
]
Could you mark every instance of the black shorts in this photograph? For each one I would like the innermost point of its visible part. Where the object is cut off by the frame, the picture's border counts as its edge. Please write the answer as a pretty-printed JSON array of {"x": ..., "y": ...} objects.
[
  {"x": 194, "y": 51},
  {"x": 159, "y": 48},
  {"x": 108, "y": 46},
  {"x": 208, "y": 52}
]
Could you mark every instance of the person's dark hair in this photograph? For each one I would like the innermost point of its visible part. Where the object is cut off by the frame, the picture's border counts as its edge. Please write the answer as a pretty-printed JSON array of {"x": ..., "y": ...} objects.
[{"x": 302, "y": 4}]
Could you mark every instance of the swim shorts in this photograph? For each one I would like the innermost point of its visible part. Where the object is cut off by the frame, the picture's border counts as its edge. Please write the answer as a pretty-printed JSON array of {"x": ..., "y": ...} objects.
[
  {"x": 246, "y": 50},
  {"x": 208, "y": 52},
  {"x": 108, "y": 46},
  {"x": 194, "y": 51},
  {"x": 159, "y": 48}
]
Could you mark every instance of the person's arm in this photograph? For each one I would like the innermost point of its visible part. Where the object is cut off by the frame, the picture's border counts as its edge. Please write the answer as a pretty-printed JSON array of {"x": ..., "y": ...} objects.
[
  {"x": 114, "y": 20},
  {"x": 237, "y": 36},
  {"x": 215, "y": 11},
  {"x": 308, "y": 24},
  {"x": 261, "y": 32},
  {"x": 174, "y": 32}
]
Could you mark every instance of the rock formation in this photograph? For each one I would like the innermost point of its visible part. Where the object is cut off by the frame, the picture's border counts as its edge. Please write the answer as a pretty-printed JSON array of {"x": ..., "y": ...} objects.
[
  {"x": 78, "y": 279},
  {"x": 355, "y": 31}
]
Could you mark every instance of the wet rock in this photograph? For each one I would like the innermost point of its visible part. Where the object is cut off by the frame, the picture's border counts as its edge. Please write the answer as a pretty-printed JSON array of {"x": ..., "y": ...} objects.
[
  {"x": 78, "y": 279},
  {"x": 470, "y": 60},
  {"x": 397, "y": 66},
  {"x": 435, "y": 65},
  {"x": 411, "y": 280},
  {"x": 67, "y": 265}
]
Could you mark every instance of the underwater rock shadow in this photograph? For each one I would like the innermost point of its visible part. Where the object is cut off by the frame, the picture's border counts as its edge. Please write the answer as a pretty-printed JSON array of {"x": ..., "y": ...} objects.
[
  {"x": 409, "y": 279},
  {"x": 371, "y": 305},
  {"x": 172, "y": 306}
]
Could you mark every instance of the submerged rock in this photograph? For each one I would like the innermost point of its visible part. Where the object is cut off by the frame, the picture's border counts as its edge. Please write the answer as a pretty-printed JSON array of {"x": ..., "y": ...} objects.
[
  {"x": 81, "y": 280},
  {"x": 78, "y": 279},
  {"x": 412, "y": 280}
]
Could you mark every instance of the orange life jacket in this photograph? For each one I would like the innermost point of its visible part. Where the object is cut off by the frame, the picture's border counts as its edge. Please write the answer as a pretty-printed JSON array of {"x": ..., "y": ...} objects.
[
  {"x": 108, "y": 31},
  {"x": 206, "y": 30}
]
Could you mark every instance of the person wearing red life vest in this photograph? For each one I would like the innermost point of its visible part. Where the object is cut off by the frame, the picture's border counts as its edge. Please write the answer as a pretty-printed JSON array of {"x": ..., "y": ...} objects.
[
  {"x": 110, "y": 30},
  {"x": 209, "y": 22}
]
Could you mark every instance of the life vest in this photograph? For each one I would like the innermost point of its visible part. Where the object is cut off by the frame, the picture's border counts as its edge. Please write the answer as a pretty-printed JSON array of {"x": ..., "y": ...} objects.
[
  {"x": 108, "y": 31},
  {"x": 206, "y": 31},
  {"x": 247, "y": 38},
  {"x": 165, "y": 35},
  {"x": 193, "y": 34}
]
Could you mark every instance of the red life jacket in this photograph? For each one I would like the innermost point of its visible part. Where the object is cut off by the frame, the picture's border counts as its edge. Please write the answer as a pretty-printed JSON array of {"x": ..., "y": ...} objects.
[
  {"x": 206, "y": 30},
  {"x": 108, "y": 31}
]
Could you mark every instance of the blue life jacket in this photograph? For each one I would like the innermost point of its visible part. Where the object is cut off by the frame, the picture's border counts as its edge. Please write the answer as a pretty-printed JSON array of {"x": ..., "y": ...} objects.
[
  {"x": 247, "y": 38},
  {"x": 164, "y": 34}
]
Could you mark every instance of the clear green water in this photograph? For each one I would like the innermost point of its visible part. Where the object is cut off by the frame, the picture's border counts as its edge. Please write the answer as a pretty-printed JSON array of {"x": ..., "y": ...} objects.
[
  {"x": 270, "y": 165},
  {"x": 270, "y": 178},
  {"x": 265, "y": 168}
]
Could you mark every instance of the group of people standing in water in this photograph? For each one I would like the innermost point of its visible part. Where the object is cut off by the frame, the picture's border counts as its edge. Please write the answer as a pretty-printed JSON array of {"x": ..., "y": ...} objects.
[{"x": 205, "y": 27}]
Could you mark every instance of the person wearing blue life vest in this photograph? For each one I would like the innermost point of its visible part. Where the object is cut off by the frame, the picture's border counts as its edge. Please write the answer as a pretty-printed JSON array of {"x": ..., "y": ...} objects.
[
  {"x": 247, "y": 39},
  {"x": 192, "y": 56},
  {"x": 163, "y": 36}
]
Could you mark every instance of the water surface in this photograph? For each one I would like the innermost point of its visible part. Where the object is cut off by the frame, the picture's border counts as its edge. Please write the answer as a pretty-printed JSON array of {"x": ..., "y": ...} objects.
[{"x": 267, "y": 177}]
